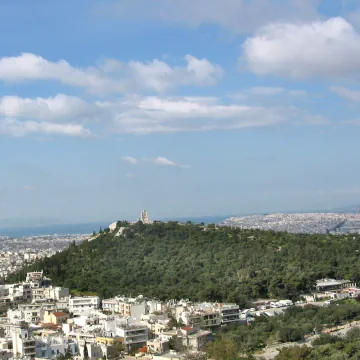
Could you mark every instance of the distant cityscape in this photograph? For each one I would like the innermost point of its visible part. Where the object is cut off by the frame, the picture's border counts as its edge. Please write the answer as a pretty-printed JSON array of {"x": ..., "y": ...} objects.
[
  {"x": 15, "y": 252},
  {"x": 308, "y": 223}
]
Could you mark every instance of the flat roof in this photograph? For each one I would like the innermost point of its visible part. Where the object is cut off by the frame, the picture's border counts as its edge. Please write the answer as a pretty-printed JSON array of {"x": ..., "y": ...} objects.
[{"x": 331, "y": 282}]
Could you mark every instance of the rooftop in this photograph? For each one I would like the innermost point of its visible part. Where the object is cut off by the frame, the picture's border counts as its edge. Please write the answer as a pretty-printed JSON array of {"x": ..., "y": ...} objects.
[{"x": 331, "y": 282}]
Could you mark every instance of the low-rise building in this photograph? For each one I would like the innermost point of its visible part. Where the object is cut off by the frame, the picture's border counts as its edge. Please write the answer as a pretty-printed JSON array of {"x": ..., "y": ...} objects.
[
  {"x": 54, "y": 346},
  {"x": 230, "y": 313},
  {"x": 134, "y": 307},
  {"x": 157, "y": 346},
  {"x": 56, "y": 317},
  {"x": 194, "y": 339},
  {"x": 332, "y": 284},
  {"x": 78, "y": 305}
]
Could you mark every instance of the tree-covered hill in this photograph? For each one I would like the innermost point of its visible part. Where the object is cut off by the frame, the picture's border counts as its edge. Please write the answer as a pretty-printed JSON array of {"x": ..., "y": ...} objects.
[{"x": 171, "y": 260}]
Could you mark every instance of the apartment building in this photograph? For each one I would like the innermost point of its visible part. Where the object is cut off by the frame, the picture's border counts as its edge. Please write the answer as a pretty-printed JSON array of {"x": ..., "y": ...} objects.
[
  {"x": 194, "y": 339},
  {"x": 23, "y": 342},
  {"x": 134, "y": 307},
  {"x": 127, "y": 332},
  {"x": 133, "y": 335},
  {"x": 78, "y": 305},
  {"x": 54, "y": 346},
  {"x": 229, "y": 313},
  {"x": 20, "y": 292},
  {"x": 202, "y": 318},
  {"x": 30, "y": 313}
]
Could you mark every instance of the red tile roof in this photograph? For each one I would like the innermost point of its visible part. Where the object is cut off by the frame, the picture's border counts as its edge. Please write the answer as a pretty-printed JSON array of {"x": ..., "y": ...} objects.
[
  {"x": 187, "y": 328},
  {"x": 59, "y": 314}
]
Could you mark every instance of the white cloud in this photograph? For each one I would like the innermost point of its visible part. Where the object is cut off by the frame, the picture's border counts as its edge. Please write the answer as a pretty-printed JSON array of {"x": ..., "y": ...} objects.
[
  {"x": 22, "y": 128},
  {"x": 130, "y": 160},
  {"x": 134, "y": 114},
  {"x": 27, "y": 66},
  {"x": 346, "y": 93},
  {"x": 355, "y": 122},
  {"x": 328, "y": 48},
  {"x": 144, "y": 115},
  {"x": 162, "y": 161},
  {"x": 266, "y": 90},
  {"x": 159, "y": 76},
  {"x": 313, "y": 120},
  {"x": 61, "y": 115},
  {"x": 234, "y": 15},
  {"x": 114, "y": 76},
  {"x": 49, "y": 109},
  {"x": 159, "y": 161}
]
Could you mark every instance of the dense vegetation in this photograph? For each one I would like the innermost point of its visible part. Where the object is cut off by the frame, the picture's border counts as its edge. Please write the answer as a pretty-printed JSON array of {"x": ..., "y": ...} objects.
[
  {"x": 293, "y": 325},
  {"x": 327, "y": 347},
  {"x": 171, "y": 260}
]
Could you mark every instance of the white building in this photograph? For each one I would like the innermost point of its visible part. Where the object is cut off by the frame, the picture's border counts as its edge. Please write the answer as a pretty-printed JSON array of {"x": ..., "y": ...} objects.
[
  {"x": 144, "y": 218},
  {"x": 23, "y": 342},
  {"x": 133, "y": 335},
  {"x": 5, "y": 351},
  {"x": 35, "y": 276},
  {"x": 78, "y": 305},
  {"x": 134, "y": 307},
  {"x": 52, "y": 347},
  {"x": 56, "y": 293},
  {"x": 31, "y": 314},
  {"x": 129, "y": 333},
  {"x": 20, "y": 292},
  {"x": 113, "y": 226}
]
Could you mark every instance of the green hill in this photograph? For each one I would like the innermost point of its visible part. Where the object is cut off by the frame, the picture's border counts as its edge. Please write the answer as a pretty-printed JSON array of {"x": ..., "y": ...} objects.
[{"x": 171, "y": 260}]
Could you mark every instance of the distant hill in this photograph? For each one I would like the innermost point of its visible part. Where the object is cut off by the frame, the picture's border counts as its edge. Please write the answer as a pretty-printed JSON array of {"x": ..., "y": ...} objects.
[{"x": 171, "y": 260}]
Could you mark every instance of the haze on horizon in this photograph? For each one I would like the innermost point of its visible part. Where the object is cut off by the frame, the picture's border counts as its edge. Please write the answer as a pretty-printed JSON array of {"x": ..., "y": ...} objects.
[{"x": 185, "y": 108}]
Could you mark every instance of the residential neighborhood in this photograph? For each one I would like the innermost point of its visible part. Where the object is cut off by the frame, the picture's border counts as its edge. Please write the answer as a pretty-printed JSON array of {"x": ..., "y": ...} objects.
[{"x": 44, "y": 321}]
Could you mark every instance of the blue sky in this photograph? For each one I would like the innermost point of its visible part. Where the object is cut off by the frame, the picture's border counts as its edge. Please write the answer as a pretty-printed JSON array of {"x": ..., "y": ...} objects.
[{"x": 186, "y": 108}]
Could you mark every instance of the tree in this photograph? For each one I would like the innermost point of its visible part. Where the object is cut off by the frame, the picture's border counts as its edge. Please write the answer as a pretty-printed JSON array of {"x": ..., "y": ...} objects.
[
  {"x": 195, "y": 356},
  {"x": 294, "y": 353},
  {"x": 115, "y": 350},
  {"x": 222, "y": 349},
  {"x": 353, "y": 334}
]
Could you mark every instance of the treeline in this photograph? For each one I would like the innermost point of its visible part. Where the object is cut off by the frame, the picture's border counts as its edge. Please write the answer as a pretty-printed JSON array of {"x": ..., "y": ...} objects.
[{"x": 172, "y": 260}]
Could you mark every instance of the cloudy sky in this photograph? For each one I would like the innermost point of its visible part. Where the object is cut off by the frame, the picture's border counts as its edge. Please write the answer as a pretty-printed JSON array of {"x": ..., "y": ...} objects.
[{"x": 186, "y": 108}]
